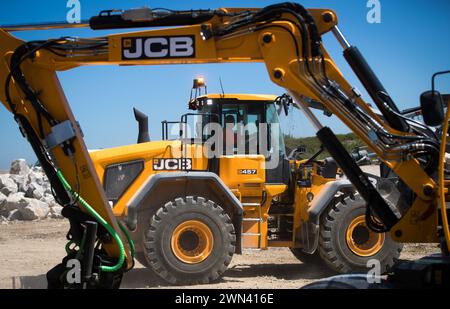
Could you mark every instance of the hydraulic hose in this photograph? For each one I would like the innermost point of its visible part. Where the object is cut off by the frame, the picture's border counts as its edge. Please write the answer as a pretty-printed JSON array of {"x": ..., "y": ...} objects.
[
  {"x": 127, "y": 235},
  {"x": 102, "y": 221}
]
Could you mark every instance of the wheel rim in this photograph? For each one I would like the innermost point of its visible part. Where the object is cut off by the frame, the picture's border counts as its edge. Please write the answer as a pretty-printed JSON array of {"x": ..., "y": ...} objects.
[
  {"x": 361, "y": 240},
  {"x": 192, "y": 242}
]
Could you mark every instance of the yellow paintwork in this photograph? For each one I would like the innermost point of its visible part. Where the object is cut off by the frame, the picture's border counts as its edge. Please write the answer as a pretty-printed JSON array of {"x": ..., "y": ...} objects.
[
  {"x": 444, "y": 185},
  {"x": 275, "y": 189},
  {"x": 147, "y": 152},
  {"x": 302, "y": 204},
  {"x": 203, "y": 248},
  {"x": 248, "y": 185},
  {"x": 241, "y": 96},
  {"x": 370, "y": 247}
]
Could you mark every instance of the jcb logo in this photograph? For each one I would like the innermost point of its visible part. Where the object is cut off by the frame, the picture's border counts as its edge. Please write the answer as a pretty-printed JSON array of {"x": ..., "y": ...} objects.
[
  {"x": 158, "y": 47},
  {"x": 172, "y": 164}
]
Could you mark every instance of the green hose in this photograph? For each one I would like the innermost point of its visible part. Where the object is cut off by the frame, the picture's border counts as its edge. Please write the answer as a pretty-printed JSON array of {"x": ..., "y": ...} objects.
[
  {"x": 103, "y": 222},
  {"x": 130, "y": 241}
]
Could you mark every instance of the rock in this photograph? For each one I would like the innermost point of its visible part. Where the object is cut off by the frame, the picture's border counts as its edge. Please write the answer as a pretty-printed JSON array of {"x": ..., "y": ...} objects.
[
  {"x": 25, "y": 194},
  {"x": 19, "y": 207},
  {"x": 35, "y": 191},
  {"x": 2, "y": 199},
  {"x": 3, "y": 220},
  {"x": 21, "y": 182},
  {"x": 55, "y": 212},
  {"x": 36, "y": 169},
  {"x": 34, "y": 209},
  {"x": 19, "y": 167},
  {"x": 15, "y": 201},
  {"x": 14, "y": 215},
  {"x": 48, "y": 199},
  {"x": 7, "y": 185},
  {"x": 38, "y": 177},
  {"x": 3, "y": 211},
  {"x": 38, "y": 194}
]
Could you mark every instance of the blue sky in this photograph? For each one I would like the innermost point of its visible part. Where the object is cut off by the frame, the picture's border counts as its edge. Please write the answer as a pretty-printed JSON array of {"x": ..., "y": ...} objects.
[{"x": 405, "y": 49}]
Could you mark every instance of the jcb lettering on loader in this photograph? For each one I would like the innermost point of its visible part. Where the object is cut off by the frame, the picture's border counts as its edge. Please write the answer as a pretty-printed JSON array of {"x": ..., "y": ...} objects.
[
  {"x": 158, "y": 47},
  {"x": 172, "y": 164}
]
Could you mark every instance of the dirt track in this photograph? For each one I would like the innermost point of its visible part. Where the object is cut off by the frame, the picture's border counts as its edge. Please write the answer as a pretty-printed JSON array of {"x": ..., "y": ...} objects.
[{"x": 29, "y": 249}]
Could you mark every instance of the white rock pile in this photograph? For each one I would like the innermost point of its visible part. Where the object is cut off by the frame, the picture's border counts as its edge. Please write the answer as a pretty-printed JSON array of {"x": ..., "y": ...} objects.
[{"x": 25, "y": 194}]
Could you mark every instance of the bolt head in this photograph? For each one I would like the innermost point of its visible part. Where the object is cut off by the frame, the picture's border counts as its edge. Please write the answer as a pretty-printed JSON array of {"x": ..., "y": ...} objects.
[
  {"x": 327, "y": 17},
  {"x": 267, "y": 38},
  {"x": 277, "y": 74},
  {"x": 428, "y": 190}
]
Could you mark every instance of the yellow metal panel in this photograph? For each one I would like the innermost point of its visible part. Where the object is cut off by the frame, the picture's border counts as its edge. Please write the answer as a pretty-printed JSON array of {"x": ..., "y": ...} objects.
[
  {"x": 250, "y": 241},
  {"x": 240, "y": 96},
  {"x": 419, "y": 224},
  {"x": 147, "y": 152},
  {"x": 248, "y": 184},
  {"x": 274, "y": 190}
]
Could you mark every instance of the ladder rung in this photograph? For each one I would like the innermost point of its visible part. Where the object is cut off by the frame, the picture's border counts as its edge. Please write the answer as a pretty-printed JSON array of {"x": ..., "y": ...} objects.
[
  {"x": 251, "y": 204},
  {"x": 251, "y": 219},
  {"x": 250, "y": 234}
]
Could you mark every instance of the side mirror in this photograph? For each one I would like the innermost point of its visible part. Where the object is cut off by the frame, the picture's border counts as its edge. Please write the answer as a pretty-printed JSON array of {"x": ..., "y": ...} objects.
[
  {"x": 283, "y": 106},
  {"x": 283, "y": 103},
  {"x": 432, "y": 108},
  {"x": 297, "y": 150}
]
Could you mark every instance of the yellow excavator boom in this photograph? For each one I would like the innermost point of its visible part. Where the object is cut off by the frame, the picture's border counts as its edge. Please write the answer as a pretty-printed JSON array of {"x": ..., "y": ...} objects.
[{"x": 285, "y": 37}]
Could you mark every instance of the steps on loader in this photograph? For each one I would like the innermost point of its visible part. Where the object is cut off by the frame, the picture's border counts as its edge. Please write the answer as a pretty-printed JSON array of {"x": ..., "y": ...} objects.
[{"x": 251, "y": 226}]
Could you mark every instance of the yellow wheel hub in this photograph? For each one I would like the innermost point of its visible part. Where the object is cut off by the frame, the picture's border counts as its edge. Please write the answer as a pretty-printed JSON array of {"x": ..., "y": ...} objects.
[
  {"x": 361, "y": 240},
  {"x": 192, "y": 241}
]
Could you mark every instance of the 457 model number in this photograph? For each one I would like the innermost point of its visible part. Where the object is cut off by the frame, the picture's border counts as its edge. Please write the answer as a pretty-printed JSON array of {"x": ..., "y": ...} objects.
[
  {"x": 237, "y": 298},
  {"x": 247, "y": 172}
]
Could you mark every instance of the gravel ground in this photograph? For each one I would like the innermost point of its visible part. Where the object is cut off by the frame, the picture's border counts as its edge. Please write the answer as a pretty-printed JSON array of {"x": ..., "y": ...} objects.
[{"x": 29, "y": 249}]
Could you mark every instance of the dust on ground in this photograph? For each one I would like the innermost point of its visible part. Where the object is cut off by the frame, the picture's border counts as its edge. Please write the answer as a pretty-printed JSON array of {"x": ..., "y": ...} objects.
[{"x": 29, "y": 249}]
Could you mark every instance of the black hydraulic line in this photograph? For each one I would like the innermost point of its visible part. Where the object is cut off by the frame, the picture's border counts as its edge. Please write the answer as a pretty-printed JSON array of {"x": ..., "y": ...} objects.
[
  {"x": 373, "y": 86},
  {"x": 20, "y": 54},
  {"x": 334, "y": 94},
  {"x": 90, "y": 235},
  {"x": 61, "y": 194},
  {"x": 289, "y": 7},
  {"x": 356, "y": 176},
  {"x": 115, "y": 21}
]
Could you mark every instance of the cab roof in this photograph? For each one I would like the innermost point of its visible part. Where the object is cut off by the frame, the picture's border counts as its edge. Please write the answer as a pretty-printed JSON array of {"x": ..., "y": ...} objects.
[{"x": 241, "y": 97}]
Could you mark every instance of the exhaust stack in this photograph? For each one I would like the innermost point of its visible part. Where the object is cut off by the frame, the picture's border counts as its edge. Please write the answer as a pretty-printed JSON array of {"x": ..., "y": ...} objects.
[{"x": 142, "y": 119}]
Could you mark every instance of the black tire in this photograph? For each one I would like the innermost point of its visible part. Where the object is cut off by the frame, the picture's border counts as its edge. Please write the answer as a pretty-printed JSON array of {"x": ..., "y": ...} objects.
[
  {"x": 140, "y": 257},
  {"x": 306, "y": 257},
  {"x": 157, "y": 241},
  {"x": 333, "y": 247}
]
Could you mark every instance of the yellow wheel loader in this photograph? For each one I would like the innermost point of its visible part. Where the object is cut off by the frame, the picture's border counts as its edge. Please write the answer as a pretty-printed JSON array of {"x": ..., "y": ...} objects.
[
  {"x": 189, "y": 212},
  {"x": 231, "y": 200}
]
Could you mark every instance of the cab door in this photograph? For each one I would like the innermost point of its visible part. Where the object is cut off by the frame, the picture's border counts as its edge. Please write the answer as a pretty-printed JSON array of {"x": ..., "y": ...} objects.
[
  {"x": 278, "y": 169},
  {"x": 242, "y": 167}
]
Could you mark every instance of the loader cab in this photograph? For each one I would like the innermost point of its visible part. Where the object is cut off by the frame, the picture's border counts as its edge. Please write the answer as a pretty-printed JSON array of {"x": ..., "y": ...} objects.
[{"x": 250, "y": 127}]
